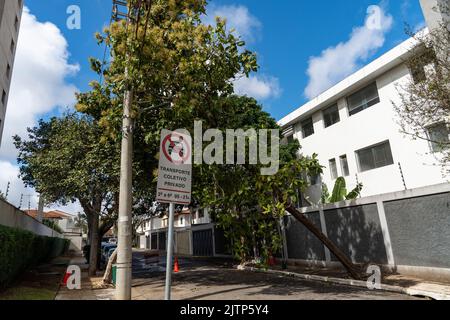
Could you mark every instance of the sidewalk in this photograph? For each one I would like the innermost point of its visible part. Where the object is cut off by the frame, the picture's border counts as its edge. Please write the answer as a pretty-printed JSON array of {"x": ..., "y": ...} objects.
[
  {"x": 88, "y": 291},
  {"x": 410, "y": 285}
]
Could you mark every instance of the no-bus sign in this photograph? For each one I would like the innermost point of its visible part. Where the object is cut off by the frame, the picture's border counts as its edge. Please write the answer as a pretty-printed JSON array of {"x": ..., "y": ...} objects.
[{"x": 175, "y": 168}]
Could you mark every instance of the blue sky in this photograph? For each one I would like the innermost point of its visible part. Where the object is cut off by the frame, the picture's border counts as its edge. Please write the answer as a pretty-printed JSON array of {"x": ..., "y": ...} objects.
[
  {"x": 303, "y": 47},
  {"x": 289, "y": 33}
]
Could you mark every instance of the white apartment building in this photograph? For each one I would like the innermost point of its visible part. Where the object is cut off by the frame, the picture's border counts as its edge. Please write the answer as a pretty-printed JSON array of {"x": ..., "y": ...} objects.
[
  {"x": 354, "y": 130},
  {"x": 10, "y": 15}
]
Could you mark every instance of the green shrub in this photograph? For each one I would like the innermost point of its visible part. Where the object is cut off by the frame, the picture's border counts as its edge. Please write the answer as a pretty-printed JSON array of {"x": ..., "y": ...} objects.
[{"x": 21, "y": 249}]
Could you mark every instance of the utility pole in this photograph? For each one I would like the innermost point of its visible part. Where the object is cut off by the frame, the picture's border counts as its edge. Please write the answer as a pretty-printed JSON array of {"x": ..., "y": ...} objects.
[
  {"x": 125, "y": 232},
  {"x": 124, "y": 244}
]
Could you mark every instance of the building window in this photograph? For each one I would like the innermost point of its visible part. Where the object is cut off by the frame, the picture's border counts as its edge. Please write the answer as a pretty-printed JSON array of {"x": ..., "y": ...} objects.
[
  {"x": 16, "y": 24},
  {"x": 4, "y": 97},
  {"x": 201, "y": 214},
  {"x": 181, "y": 221},
  {"x": 363, "y": 99},
  {"x": 13, "y": 46},
  {"x": 333, "y": 169},
  {"x": 344, "y": 166},
  {"x": 331, "y": 116},
  {"x": 314, "y": 180},
  {"x": 439, "y": 137},
  {"x": 375, "y": 157},
  {"x": 290, "y": 139},
  {"x": 419, "y": 68},
  {"x": 307, "y": 128}
]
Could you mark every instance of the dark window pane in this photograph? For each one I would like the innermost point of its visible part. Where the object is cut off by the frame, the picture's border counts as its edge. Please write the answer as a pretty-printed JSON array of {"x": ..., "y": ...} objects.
[
  {"x": 439, "y": 137},
  {"x": 363, "y": 99},
  {"x": 333, "y": 169},
  {"x": 331, "y": 116},
  {"x": 307, "y": 128},
  {"x": 344, "y": 166},
  {"x": 290, "y": 139},
  {"x": 375, "y": 157}
]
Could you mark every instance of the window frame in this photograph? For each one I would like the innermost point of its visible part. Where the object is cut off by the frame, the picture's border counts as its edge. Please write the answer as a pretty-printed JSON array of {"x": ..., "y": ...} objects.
[
  {"x": 436, "y": 147},
  {"x": 372, "y": 148},
  {"x": 368, "y": 104},
  {"x": 326, "y": 112},
  {"x": 331, "y": 169},
  {"x": 308, "y": 120},
  {"x": 344, "y": 174}
]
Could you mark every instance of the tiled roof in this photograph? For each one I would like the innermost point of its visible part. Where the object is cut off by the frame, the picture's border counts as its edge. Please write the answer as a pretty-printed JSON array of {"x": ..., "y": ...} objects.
[{"x": 55, "y": 214}]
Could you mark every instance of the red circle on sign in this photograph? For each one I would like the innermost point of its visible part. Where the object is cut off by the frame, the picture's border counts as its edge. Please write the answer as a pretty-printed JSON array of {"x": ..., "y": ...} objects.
[{"x": 186, "y": 148}]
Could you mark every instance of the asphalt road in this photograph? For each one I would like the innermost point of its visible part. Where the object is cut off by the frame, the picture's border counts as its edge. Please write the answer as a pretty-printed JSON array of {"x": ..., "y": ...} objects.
[{"x": 205, "y": 279}]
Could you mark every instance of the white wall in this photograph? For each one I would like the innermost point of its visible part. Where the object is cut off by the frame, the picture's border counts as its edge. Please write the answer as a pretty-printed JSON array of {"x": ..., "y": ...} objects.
[
  {"x": 15, "y": 218},
  {"x": 371, "y": 126}
]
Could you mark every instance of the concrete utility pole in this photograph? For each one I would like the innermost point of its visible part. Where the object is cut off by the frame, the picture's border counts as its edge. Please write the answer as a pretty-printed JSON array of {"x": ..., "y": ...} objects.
[
  {"x": 125, "y": 232},
  {"x": 124, "y": 245}
]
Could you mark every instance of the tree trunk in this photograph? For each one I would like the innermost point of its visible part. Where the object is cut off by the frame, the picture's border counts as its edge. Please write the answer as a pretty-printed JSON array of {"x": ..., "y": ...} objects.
[
  {"x": 349, "y": 266},
  {"x": 94, "y": 242},
  {"x": 107, "y": 277}
]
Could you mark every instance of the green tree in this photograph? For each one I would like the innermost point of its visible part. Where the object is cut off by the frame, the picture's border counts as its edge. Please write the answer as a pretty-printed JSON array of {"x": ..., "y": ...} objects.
[
  {"x": 64, "y": 160},
  {"x": 178, "y": 70},
  {"x": 228, "y": 191},
  {"x": 340, "y": 192}
]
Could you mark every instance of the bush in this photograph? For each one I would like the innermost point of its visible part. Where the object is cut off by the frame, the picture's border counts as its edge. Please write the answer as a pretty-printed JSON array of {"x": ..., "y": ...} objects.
[{"x": 21, "y": 249}]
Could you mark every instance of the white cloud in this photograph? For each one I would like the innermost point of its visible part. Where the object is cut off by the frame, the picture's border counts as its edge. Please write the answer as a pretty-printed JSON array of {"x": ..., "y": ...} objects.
[
  {"x": 238, "y": 17},
  {"x": 9, "y": 173},
  {"x": 260, "y": 88},
  {"x": 38, "y": 87},
  {"x": 335, "y": 63},
  {"x": 248, "y": 27}
]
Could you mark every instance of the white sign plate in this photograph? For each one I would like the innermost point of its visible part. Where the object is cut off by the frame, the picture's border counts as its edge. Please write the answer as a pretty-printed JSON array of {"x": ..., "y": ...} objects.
[{"x": 175, "y": 168}]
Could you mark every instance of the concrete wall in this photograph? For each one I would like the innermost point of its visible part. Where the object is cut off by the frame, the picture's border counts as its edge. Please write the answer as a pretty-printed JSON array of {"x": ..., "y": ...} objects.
[
  {"x": 12, "y": 217},
  {"x": 408, "y": 231}
]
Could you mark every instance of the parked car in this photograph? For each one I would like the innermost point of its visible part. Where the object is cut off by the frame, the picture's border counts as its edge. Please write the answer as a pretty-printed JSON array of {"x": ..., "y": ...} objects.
[{"x": 105, "y": 251}]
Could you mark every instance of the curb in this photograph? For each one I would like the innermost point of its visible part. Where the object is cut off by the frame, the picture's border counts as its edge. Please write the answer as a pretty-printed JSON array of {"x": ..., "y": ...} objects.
[{"x": 354, "y": 283}]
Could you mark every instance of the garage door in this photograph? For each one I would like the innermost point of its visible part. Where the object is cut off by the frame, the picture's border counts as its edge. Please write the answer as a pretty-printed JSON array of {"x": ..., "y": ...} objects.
[{"x": 203, "y": 243}]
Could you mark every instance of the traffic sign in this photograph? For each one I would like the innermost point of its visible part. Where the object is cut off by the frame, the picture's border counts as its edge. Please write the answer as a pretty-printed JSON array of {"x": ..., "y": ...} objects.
[{"x": 175, "y": 168}]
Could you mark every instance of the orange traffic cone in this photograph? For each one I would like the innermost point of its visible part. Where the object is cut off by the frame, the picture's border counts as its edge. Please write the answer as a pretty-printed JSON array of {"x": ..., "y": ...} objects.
[{"x": 176, "y": 267}]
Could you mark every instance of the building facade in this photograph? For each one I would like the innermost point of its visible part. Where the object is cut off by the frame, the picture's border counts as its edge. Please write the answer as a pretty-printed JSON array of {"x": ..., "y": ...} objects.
[
  {"x": 354, "y": 129},
  {"x": 10, "y": 16},
  {"x": 195, "y": 235}
]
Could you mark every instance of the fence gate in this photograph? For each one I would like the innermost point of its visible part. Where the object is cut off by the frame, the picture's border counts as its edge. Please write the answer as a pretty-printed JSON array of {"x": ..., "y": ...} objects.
[
  {"x": 162, "y": 241},
  {"x": 203, "y": 243},
  {"x": 154, "y": 242}
]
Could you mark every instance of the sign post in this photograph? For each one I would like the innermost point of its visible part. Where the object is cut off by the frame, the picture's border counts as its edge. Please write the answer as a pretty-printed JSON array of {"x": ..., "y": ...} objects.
[{"x": 174, "y": 184}]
